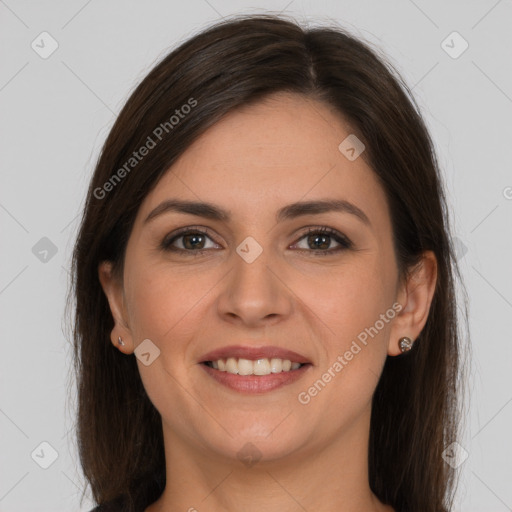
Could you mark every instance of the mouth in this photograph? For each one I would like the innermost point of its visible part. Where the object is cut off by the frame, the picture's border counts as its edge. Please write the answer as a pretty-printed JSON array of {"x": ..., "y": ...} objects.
[
  {"x": 254, "y": 370},
  {"x": 260, "y": 367}
]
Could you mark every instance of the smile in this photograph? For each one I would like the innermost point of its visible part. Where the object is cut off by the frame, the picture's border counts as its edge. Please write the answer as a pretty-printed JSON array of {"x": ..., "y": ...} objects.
[
  {"x": 265, "y": 366},
  {"x": 255, "y": 377}
]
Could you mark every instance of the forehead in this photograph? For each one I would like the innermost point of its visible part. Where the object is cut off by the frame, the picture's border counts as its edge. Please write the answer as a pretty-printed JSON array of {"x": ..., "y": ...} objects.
[
  {"x": 278, "y": 151},
  {"x": 285, "y": 131}
]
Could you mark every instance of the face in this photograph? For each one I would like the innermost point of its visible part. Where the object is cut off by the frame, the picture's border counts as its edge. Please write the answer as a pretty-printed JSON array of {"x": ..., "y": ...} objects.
[{"x": 253, "y": 279}]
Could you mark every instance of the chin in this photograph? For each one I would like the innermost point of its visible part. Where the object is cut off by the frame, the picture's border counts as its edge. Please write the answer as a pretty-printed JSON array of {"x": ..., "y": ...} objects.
[{"x": 258, "y": 442}]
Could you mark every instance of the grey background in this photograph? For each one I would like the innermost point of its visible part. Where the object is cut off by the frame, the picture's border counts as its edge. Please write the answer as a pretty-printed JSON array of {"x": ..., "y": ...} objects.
[{"x": 56, "y": 113}]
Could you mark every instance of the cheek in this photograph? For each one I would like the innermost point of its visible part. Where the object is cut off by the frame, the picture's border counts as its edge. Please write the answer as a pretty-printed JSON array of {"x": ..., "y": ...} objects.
[
  {"x": 356, "y": 307},
  {"x": 151, "y": 309},
  {"x": 164, "y": 302},
  {"x": 349, "y": 299}
]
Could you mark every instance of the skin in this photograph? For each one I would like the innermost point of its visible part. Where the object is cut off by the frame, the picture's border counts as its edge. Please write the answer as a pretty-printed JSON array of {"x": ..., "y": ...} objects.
[{"x": 313, "y": 456}]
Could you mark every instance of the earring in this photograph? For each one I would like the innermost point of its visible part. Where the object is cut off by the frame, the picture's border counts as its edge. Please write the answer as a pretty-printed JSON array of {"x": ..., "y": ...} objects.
[
  {"x": 120, "y": 341},
  {"x": 405, "y": 344}
]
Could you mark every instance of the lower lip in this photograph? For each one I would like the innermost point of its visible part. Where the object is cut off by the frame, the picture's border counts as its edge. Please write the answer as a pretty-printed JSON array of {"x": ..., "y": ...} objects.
[{"x": 254, "y": 384}]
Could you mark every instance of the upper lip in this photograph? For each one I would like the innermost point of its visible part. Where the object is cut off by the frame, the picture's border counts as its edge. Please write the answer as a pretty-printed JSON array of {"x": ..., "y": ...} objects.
[{"x": 254, "y": 353}]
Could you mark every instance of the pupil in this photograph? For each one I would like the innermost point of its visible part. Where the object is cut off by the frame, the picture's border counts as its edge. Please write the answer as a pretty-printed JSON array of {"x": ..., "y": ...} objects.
[
  {"x": 193, "y": 239},
  {"x": 315, "y": 238}
]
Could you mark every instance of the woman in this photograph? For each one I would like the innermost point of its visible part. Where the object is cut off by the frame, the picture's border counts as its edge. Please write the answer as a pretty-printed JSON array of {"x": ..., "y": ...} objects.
[{"x": 264, "y": 280}]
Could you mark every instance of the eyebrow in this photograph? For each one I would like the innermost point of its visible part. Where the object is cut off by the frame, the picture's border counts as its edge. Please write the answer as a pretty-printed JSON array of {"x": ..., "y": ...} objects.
[{"x": 291, "y": 211}]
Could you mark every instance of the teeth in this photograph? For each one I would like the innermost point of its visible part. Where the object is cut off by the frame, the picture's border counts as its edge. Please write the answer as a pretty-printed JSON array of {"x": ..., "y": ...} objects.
[
  {"x": 259, "y": 367},
  {"x": 245, "y": 367},
  {"x": 232, "y": 365}
]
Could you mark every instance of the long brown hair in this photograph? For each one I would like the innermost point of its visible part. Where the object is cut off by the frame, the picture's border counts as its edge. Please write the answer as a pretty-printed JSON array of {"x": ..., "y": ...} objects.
[{"x": 416, "y": 405}]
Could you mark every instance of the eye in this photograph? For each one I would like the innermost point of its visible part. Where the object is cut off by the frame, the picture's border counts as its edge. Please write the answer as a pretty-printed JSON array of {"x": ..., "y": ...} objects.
[
  {"x": 318, "y": 241},
  {"x": 191, "y": 240}
]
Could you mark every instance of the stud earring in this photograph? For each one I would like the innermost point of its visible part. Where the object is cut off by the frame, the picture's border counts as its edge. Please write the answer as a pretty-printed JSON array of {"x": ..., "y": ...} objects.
[
  {"x": 405, "y": 344},
  {"x": 120, "y": 341}
]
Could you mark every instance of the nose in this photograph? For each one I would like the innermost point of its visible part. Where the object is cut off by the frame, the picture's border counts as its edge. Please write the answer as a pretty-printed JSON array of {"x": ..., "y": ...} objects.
[{"x": 254, "y": 294}]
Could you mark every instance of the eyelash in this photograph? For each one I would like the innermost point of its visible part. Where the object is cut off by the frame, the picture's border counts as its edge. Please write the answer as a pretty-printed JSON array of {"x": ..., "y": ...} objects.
[{"x": 344, "y": 242}]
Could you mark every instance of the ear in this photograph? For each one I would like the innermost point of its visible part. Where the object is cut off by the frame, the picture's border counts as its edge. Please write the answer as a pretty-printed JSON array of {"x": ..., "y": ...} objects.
[
  {"x": 113, "y": 288},
  {"x": 415, "y": 297}
]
